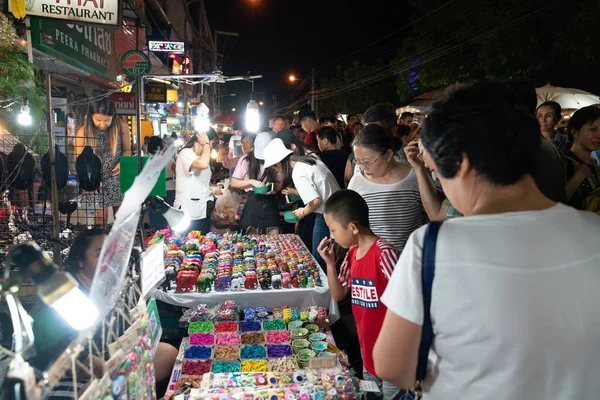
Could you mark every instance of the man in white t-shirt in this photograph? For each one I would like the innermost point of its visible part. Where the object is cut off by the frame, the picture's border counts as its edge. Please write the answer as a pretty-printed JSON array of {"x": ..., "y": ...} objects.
[{"x": 514, "y": 302}]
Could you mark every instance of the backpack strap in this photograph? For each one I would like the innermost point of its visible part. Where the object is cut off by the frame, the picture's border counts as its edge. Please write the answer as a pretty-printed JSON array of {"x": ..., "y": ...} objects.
[{"x": 427, "y": 275}]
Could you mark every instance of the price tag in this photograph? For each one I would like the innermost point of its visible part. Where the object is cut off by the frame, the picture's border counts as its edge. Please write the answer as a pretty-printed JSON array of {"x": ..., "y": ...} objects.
[
  {"x": 153, "y": 268},
  {"x": 368, "y": 386}
]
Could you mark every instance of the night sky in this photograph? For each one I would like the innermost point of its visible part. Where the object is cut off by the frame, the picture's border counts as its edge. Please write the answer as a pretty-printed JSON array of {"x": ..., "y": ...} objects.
[{"x": 282, "y": 37}]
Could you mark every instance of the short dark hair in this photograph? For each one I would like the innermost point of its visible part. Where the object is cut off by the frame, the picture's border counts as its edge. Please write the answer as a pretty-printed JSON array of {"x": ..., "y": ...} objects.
[
  {"x": 346, "y": 206},
  {"x": 556, "y": 108},
  {"x": 155, "y": 143},
  {"x": 480, "y": 121},
  {"x": 280, "y": 116},
  {"x": 407, "y": 114},
  {"x": 324, "y": 120},
  {"x": 383, "y": 113},
  {"x": 327, "y": 132},
  {"x": 376, "y": 138},
  {"x": 585, "y": 115},
  {"x": 309, "y": 116}
]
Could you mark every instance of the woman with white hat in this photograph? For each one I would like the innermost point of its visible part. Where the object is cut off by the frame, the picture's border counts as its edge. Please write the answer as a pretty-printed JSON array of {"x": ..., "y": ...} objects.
[
  {"x": 261, "y": 210},
  {"x": 314, "y": 182}
]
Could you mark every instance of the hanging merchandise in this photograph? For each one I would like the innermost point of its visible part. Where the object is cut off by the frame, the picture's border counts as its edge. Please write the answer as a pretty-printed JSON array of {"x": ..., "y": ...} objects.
[
  {"x": 20, "y": 165},
  {"x": 89, "y": 170},
  {"x": 62, "y": 168}
]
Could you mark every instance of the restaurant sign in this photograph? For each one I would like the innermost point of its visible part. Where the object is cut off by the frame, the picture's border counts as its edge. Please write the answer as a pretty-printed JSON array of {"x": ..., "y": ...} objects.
[
  {"x": 99, "y": 12},
  {"x": 86, "y": 47}
]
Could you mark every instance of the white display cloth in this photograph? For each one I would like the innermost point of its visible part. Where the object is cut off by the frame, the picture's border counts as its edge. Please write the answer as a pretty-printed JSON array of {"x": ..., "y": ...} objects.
[{"x": 273, "y": 298}]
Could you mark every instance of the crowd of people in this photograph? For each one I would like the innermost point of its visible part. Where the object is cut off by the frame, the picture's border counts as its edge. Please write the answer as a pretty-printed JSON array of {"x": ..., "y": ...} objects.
[{"x": 512, "y": 306}]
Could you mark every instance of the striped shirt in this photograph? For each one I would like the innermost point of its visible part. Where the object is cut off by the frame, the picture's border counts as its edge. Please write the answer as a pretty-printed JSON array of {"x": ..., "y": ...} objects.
[{"x": 395, "y": 209}]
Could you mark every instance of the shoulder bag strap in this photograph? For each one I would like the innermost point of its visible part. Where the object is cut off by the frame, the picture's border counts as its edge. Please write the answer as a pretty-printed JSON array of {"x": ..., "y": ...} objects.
[{"x": 427, "y": 274}]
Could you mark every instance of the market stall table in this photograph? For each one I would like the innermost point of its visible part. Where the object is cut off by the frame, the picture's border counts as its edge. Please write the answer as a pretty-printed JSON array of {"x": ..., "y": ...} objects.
[{"x": 315, "y": 294}]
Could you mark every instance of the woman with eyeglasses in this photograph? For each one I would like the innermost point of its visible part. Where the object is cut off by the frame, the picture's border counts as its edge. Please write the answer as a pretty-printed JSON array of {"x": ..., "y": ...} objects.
[{"x": 389, "y": 187}]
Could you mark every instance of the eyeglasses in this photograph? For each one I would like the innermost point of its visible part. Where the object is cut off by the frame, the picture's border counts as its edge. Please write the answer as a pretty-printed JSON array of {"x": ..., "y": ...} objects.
[{"x": 365, "y": 165}]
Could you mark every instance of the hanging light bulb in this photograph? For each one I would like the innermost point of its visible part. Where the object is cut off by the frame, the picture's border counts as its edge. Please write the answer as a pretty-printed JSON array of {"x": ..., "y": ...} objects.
[
  {"x": 202, "y": 122},
  {"x": 24, "y": 117},
  {"x": 252, "y": 116}
]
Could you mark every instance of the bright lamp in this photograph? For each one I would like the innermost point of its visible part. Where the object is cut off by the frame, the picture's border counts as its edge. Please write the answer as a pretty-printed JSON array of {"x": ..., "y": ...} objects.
[{"x": 252, "y": 116}]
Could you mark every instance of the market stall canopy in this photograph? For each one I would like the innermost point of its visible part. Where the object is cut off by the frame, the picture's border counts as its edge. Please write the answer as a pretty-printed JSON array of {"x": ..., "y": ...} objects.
[
  {"x": 568, "y": 98},
  {"x": 424, "y": 101}
]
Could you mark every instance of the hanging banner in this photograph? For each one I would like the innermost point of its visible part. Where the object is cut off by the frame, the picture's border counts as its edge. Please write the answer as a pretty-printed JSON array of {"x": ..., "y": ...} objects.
[{"x": 99, "y": 12}]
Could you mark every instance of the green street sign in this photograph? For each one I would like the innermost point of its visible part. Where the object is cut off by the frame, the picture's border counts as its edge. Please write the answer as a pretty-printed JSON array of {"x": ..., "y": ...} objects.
[
  {"x": 88, "y": 48},
  {"x": 135, "y": 63}
]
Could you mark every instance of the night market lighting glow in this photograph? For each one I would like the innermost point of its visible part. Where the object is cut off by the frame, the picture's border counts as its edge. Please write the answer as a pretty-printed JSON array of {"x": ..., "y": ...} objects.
[
  {"x": 77, "y": 309},
  {"x": 252, "y": 116},
  {"x": 202, "y": 123},
  {"x": 24, "y": 117}
]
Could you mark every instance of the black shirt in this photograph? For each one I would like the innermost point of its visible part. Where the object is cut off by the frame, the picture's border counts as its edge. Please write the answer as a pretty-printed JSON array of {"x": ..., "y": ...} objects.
[{"x": 336, "y": 162}]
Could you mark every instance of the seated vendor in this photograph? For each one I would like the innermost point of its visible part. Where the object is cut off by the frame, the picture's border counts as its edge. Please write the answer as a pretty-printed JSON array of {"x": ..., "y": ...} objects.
[{"x": 53, "y": 334}]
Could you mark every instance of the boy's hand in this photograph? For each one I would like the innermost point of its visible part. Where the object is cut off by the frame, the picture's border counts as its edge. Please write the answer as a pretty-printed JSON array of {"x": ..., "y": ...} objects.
[{"x": 327, "y": 251}]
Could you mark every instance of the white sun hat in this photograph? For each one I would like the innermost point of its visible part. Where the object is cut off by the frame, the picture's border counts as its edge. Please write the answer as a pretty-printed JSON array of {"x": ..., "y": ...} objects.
[
  {"x": 275, "y": 152},
  {"x": 261, "y": 141}
]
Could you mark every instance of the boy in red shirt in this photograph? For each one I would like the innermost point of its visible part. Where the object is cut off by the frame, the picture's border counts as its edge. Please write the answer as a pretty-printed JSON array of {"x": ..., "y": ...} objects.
[{"x": 366, "y": 271}]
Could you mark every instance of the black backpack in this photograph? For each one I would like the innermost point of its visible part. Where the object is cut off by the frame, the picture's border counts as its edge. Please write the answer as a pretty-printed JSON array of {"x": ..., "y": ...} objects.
[
  {"x": 62, "y": 168},
  {"x": 89, "y": 170},
  {"x": 20, "y": 165}
]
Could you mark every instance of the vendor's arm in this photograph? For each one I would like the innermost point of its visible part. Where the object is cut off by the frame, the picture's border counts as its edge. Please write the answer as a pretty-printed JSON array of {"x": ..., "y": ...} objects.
[
  {"x": 430, "y": 197},
  {"x": 308, "y": 208},
  {"x": 240, "y": 179},
  {"x": 338, "y": 288},
  {"x": 79, "y": 140},
  {"x": 203, "y": 159},
  {"x": 125, "y": 137},
  {"x": 244, "y": 184}
]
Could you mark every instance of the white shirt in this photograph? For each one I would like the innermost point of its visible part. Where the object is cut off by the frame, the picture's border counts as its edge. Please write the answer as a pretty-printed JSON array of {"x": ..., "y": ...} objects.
[
  {"x": 515, "y": 305},
  {"x": 170, "y": 174},
  {"x": 313, "y": 181},
  {"x": 395, "y": 209},
  {"x": 192, "y": 187}
]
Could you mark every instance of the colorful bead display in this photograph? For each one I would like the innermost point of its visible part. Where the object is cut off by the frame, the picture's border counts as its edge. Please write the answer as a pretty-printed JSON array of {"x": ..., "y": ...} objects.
[
  {"x": 283, "y": 364},
  {"x": 253, "y": 351},
  {"x": 278, "y": 350},
  {"x": 203, "y": 339},
  {"x": 274, "y": 325},
  {"x": 201, "y": 352},
  {"x": 226, "y": 366},
  {"x": 197, "y": 327},
  {"x": 227, "y": 352},
  {"x": 247, "y": 326},
  {"x": 226, "y": 327},
  {"x": 196, "y": 367},
  {"x": 276, "y": 337},
  {"x": 255, "y": 366},
  {"x": 228, "y": 339},
  {"x": 253, "y": 337}
]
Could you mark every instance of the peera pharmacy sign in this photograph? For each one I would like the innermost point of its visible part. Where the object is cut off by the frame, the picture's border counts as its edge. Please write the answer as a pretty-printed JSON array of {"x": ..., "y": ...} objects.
[
  {"x": 99, "y": 12},
  {"x": 86, "y": 47}
]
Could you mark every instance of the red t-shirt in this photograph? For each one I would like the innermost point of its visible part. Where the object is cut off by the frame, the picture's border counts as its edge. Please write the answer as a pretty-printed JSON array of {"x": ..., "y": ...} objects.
[
  {"x": 311, "y": 139},
  {"x": 368, "y": 277}
]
